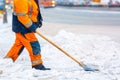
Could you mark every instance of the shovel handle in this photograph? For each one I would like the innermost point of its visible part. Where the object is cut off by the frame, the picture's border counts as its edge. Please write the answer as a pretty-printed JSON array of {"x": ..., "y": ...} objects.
[{"x": 58, "y": 47}]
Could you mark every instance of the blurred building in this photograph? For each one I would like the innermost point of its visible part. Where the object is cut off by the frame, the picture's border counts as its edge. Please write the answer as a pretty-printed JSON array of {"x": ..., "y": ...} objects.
[
  {"x": 70, "y": 2},
  {"x": 88, "y": 2}
]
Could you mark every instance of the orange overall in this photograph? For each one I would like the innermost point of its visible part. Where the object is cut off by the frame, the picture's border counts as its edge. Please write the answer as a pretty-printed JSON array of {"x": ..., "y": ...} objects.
[{"x": 26, "y": 12}]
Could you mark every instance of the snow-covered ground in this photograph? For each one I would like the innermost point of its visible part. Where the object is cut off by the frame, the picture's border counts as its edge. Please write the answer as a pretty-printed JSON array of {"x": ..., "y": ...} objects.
[{"x": 99, "y": 50}]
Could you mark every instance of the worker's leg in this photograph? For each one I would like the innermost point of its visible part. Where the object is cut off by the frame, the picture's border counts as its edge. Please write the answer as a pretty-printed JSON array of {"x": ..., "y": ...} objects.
[
  {"x": 32, "y": 45},
  {"x": 16, "y": 49}
]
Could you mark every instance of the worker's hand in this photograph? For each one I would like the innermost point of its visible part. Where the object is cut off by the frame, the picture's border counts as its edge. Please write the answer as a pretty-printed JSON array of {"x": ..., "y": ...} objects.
[
  {"x": 33, "y": 27},
  {"x": 39, "y": 24}
]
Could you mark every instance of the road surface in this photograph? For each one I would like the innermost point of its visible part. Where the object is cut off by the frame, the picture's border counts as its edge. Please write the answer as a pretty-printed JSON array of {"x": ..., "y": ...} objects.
[{"x": 81, "y": 21}]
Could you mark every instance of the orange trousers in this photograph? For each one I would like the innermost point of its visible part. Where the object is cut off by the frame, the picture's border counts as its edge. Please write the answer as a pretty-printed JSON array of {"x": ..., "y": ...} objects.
[{"x": 30, "y": 42}]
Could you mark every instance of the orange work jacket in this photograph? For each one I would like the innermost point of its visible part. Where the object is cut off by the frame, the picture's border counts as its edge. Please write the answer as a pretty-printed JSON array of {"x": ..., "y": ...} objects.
[{"x": 26, "y": 12}]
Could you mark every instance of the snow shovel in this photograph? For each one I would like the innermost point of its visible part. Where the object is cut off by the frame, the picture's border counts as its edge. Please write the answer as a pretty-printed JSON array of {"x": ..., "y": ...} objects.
[{"x": 85, "y": 67}]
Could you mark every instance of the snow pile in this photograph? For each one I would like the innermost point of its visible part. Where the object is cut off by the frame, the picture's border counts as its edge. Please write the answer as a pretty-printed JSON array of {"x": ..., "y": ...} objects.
[{"x": 98, "y": 50}]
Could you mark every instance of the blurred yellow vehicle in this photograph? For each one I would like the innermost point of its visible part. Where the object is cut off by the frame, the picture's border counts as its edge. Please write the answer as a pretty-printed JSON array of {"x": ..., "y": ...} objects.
[{"x": 1, "y": 11}]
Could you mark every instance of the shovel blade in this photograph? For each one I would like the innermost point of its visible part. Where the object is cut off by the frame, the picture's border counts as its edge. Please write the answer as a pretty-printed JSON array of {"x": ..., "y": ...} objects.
[{"x": 90, "y": 68}]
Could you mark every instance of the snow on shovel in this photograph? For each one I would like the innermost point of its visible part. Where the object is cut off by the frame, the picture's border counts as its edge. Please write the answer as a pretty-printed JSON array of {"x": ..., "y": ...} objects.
[{"x": 85, "y": 67}]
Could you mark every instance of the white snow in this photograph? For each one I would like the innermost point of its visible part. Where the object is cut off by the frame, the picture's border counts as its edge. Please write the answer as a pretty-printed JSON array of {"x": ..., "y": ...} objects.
[{"x": 99, "y": 50}]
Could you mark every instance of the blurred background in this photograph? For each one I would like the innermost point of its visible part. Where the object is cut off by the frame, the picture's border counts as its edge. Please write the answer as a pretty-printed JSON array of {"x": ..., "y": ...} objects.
[
  {"x": 76, "y": 3},
  {"x": 6, "y": 5}
]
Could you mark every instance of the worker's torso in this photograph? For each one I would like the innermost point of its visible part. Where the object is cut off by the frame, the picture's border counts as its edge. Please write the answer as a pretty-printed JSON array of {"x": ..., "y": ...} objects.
[
  {"x": 26, "y": 8},
  {"x": 32, "y": 9}
]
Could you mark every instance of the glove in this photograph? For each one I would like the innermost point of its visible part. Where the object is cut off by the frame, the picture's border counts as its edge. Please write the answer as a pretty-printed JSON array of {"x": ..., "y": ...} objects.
[
  {"x": 33, "y": 27},
  {"x": 39, "y": 24}
]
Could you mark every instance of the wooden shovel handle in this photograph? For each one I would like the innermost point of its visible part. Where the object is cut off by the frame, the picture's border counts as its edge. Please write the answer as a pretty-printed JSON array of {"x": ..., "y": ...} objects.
[{"x": 58, "y": 47}]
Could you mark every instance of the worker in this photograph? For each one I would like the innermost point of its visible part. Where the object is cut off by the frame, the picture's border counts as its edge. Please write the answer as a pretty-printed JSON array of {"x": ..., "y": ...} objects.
[{"x": 26, "y": 19}]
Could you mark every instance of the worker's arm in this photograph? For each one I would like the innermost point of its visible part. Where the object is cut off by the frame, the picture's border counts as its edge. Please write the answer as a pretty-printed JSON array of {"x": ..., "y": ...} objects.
[{"x": 21, "y": 9}]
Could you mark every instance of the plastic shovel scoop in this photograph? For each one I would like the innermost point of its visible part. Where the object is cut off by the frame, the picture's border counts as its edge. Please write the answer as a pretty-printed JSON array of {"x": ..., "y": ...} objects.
[{"x": 90, "y": 67}]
